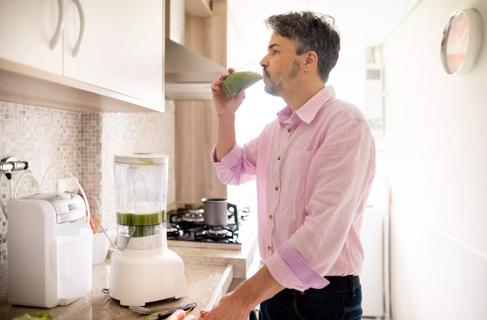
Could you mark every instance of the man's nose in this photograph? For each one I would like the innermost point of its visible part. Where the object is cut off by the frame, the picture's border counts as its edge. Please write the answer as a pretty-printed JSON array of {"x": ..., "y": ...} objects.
[{"x": 264, "y": 63}]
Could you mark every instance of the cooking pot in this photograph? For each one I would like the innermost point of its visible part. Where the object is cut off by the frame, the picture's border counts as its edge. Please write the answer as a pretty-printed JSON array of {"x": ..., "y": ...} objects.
[{"x": 215, "y": 211}]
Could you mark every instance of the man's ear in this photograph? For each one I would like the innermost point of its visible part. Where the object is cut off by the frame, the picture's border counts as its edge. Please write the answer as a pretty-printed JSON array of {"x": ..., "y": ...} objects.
[{"x": 311, "y": 61}]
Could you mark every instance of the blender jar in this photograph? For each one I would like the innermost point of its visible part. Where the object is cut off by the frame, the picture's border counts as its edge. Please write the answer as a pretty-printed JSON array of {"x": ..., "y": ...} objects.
[{"x": 141, "y": 201}]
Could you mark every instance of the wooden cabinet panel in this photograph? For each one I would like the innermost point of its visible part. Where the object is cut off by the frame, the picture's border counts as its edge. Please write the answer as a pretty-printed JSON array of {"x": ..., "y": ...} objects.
[
  {"x": 196, "y": 121},
  {"x": 196, "y": 128},
  {"x": 198, "y": 8}
]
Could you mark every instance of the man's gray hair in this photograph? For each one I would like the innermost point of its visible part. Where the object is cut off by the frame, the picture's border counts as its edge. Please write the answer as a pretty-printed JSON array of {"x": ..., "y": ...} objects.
[{"x": 311, "y": 32}]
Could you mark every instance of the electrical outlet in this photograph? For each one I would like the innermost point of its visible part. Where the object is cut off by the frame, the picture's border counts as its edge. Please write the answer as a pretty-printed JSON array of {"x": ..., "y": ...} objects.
[{"x": 67, "y": 185}]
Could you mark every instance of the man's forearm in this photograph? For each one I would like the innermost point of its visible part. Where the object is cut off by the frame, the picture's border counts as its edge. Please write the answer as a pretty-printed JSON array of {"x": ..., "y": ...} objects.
[
  {"x": 259, "y": 287},
  {"x": 226, "y": 135}
]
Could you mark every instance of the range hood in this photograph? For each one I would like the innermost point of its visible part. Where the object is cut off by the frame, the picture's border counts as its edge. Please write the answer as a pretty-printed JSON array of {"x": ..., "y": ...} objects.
[{"x": 188, "y": 75}]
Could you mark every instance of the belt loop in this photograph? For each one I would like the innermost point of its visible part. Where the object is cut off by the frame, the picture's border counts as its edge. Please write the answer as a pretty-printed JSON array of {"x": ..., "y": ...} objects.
[{"x": 352, "y": 286}]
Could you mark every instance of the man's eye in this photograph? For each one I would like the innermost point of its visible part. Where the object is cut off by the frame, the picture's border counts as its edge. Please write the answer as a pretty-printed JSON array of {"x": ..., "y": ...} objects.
[{"x": 275, "y": 52}]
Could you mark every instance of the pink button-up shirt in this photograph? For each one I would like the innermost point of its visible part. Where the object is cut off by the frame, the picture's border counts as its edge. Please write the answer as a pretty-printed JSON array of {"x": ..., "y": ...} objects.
[{"x": 314, "y": 168}]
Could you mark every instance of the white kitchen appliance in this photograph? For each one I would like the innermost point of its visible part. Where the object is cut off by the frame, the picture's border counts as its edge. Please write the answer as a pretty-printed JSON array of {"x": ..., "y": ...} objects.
[
  {"x": 142, "y": 268},
  {"x": 49, "y": 250}
]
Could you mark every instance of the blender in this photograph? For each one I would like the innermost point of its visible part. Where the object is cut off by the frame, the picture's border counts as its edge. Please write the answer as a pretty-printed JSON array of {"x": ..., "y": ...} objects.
[{"x": 142, "y": 268}]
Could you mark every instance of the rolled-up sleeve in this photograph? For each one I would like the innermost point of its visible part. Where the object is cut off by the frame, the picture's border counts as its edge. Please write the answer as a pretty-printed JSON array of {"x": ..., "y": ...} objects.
[
  {"x": 238, "y": 166},
  {"x": 337, "y": 185}
]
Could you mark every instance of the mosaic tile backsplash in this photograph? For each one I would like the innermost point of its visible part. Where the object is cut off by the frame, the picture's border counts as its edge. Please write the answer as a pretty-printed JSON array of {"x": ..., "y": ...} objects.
[{"x": 84, "y": 144}]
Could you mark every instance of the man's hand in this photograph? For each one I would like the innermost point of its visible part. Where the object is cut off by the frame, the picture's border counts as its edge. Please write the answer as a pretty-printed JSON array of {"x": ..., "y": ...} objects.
[
  {"x": 180, "y": 315},
  {"x": 237, "y": 304},
  {"x": 229, "y": 308},
  {"x": 225, "y": 105}
]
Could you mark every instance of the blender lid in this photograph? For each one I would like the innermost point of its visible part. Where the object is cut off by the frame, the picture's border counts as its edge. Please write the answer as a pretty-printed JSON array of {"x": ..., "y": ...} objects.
[{"x": 141, "y": 158}]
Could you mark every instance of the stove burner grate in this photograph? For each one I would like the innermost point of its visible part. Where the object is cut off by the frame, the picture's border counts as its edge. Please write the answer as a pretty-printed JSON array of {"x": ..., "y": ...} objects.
[{"x": 188, "y": 224}]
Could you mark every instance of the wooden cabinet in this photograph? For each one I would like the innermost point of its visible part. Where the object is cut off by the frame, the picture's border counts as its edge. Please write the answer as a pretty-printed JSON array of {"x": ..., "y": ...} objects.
[
  {"x": 199, "y": 8},
  {"x": 196, "y": 121},
  {"x": 118, "y": 67}
]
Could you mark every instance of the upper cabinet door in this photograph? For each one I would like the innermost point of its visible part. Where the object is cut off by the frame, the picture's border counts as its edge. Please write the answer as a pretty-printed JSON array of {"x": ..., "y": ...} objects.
[
  {"x": 116, "y": 44},
  {"x": 26, "y": 30}
]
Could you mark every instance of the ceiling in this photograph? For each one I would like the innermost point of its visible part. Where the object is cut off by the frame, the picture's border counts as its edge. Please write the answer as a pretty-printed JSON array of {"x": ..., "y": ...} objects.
[
  {"x": 368, "y": 21},
  {"x": 361, "y": 23}
]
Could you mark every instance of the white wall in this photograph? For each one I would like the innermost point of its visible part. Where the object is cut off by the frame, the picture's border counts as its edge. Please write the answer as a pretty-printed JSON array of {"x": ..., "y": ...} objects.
[{"x": 436, "y": 132}]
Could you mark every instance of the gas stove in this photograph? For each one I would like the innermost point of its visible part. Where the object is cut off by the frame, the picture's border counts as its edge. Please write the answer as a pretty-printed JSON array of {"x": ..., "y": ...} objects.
[{"x": 186, "y": 227}]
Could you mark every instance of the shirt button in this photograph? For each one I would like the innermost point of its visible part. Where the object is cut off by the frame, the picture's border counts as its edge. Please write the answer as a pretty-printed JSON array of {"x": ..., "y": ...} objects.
[
  {"x": 270, "y": 216},
  {"x": 278, "y": 158},
  {"x": 269, "y": 248},
  {"x": 289, "y": 130},
  {"x": 276, "y": 188}
]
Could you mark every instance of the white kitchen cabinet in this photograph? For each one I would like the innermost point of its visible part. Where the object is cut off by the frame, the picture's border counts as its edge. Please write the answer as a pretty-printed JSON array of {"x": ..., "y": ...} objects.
[
  {"x": 175, "y": 20},
  {"x": 121, "y": 48},
  {"x": 118, "y": 67},
  {"x": 26, "y": 28}
]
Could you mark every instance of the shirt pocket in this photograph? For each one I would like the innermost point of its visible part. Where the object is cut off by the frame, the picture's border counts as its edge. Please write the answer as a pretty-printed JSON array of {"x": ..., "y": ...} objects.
[{"x": 295, "y": 175}]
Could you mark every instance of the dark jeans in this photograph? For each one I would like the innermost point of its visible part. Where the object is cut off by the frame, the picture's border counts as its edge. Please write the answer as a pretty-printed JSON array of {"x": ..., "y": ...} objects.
[{"x": 336, "y": 302}]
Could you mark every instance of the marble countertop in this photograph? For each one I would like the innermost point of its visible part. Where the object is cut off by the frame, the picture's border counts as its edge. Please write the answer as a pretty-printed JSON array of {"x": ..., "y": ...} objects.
[
  {"x": 209, "y": 273},
  {"x": 206, "y": 284}
]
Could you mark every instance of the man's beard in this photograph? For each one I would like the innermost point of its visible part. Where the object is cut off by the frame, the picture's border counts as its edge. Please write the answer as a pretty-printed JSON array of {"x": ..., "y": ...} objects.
[{"x": 274, "y": 86}]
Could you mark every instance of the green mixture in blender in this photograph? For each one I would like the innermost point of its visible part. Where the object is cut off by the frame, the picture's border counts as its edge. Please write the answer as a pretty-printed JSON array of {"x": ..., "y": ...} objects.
[{"x": 141, "y": 224}]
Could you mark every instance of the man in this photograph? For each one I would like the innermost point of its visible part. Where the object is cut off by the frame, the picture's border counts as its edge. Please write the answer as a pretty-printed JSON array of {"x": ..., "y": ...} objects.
[{"x": 314, "y": 165}]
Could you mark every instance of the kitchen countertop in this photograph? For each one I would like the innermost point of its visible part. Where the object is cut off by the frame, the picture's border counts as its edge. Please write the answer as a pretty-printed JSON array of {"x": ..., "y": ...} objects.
[
  {"x": 209, "y": 273},
  {"x": 239, "y": 259},
  {"x": 206, "y": 284}
]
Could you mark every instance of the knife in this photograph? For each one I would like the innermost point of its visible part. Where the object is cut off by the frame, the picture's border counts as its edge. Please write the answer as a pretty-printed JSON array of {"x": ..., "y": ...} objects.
[{"x": 165, "y": 313}]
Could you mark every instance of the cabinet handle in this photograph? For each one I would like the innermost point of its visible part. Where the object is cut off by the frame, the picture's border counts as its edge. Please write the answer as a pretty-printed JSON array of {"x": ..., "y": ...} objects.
[
  {"x": 81, "y": 27},
  {"x": 59, "y": 26}
]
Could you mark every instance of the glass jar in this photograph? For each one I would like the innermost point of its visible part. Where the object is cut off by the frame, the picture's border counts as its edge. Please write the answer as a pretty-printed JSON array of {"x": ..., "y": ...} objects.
[{"x": 141, "y": 200}]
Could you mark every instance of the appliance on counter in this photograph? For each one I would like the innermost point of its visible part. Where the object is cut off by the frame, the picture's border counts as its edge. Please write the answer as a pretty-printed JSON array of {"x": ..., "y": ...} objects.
[
  {"x": 49, "y": 250},
  {"x": 143, "y": 269},
  {"x": 187, "y": 226}
]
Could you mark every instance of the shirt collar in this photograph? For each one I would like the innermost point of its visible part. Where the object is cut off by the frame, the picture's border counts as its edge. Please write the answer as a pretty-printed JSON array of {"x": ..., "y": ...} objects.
[{"x": 308, "y": 111}]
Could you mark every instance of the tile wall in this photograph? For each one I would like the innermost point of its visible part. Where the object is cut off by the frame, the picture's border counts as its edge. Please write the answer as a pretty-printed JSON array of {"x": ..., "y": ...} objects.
[{"x": 84, "y": 144}]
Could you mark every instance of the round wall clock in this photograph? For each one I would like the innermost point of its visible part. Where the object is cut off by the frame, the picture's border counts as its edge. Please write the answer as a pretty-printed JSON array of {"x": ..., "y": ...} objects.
[{"x": 462, "y": 40}]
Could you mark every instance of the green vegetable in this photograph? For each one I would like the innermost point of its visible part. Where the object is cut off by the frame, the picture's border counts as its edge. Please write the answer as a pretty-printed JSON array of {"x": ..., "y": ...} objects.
[
  {"x": 237, "y": 81},
  {"x": 41, "y": 315}
]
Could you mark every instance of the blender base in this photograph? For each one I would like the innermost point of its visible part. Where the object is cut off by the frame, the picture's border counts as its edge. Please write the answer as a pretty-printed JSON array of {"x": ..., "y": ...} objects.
[{"x": 141, "y": 276}]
